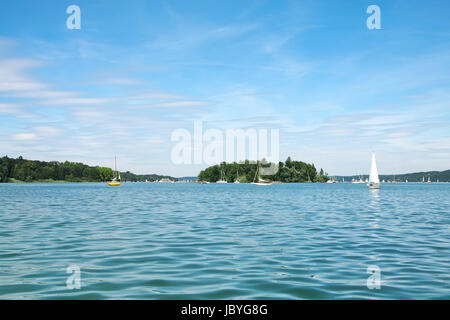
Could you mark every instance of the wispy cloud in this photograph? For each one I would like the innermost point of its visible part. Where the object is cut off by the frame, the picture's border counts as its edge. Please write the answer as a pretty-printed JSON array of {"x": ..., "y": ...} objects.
[
  {"x": 24, "y": 136},
  {"x": 15, "y": 110},
  {"x": 47, "y": 131},
  {"x": 176, "y": 104}
]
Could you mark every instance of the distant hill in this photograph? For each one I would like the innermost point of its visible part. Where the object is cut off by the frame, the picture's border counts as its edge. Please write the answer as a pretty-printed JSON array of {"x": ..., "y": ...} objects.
[
  {"x": 128, "y": 176},
  {"x": 187, "y": 178},
  {"x": 442, "y": 176}
]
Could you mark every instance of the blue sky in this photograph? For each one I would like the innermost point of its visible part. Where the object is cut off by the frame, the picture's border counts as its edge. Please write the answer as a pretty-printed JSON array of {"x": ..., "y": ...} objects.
[{"x": 138, "y": 70}]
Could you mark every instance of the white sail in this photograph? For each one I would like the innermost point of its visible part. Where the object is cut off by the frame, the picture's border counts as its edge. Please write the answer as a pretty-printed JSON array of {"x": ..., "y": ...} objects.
[{"x": 373, "y": 178}]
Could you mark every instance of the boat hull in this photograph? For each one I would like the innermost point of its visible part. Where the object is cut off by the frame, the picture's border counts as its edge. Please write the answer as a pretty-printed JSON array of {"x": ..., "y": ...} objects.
[
  {"x": 262, "y": 184},
  {"x": 114, "y": 184},
  {"x": 373, "y": 185}
]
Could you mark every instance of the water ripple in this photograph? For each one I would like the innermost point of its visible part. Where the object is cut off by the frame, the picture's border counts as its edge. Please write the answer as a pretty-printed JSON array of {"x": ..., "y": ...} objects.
[{"x": 189, "y": 241}]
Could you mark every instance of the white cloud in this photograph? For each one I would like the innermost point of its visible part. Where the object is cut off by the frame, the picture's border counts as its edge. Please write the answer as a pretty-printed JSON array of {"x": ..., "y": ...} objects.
[
  {"x": 24, "y": 136},
  {"x": 15, "y": 110},
  {"x": 78, "y": 101},
  {"x": 177, "y": 104},
  {"x": 47, "y": 131}
]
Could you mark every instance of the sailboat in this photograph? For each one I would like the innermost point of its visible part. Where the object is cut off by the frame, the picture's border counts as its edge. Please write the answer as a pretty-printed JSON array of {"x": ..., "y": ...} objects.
[
  {"x": 223, "y": 179},
  {"x": 374, "y": 180},
  {"x": 429, "y": 180},
  {"x": 259, "y": 181},
  {"x": 116, "y": 180},
  {"x": 359, "y": 181},
  {"x": 237, "y": 177}
]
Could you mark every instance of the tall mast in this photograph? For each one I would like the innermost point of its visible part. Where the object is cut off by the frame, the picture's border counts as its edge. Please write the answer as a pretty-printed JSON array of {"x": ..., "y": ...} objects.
[
  {"x": 256, "y": 173},
  {"x": 115, "y": 166},
  {"x": 259, "y": 172}
]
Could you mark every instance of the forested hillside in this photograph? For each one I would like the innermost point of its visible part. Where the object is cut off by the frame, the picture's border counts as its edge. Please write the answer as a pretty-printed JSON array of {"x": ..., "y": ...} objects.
[{"x": 19, "y": 169}]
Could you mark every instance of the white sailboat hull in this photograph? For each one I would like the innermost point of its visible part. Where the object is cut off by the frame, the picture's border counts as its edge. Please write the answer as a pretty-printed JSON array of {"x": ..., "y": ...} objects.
[
  {"x": 372, "y": 185},
  {"x": 262, "y": 183}
]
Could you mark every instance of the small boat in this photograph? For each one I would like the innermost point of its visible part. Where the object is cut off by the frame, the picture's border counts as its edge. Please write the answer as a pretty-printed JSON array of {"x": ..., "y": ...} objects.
[
  {"x": 237, "y": 177},
  {"x": 223, "y": 179},
  {"x": 374, "y": 179},
  {"x": 116, "y": 180},
  {"x": 166, "y": 180},
  {"x": 258, "y": 181},
  {"x": 429, "y": 180},
  {"x": 357, "y": 181}
]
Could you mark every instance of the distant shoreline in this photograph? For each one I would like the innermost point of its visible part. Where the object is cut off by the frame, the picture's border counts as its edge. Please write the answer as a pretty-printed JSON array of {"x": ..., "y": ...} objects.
[{"x": 49, "y": 181}]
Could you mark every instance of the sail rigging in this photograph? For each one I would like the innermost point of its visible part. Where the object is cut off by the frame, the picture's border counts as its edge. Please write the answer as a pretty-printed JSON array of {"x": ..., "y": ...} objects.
[{"x": 374, "y": 179}]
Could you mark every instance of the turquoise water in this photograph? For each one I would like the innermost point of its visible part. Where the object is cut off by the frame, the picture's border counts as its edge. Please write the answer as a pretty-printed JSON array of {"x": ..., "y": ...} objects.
[{"x": 191, "y": 241}]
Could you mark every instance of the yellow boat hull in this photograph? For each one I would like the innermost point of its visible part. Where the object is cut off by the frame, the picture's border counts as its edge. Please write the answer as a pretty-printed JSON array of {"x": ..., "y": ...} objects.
[{"x": 113, "y": 183}]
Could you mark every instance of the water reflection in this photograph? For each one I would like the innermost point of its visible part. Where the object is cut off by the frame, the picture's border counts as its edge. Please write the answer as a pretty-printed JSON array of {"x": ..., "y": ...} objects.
[{"x": 374, "y": 206}]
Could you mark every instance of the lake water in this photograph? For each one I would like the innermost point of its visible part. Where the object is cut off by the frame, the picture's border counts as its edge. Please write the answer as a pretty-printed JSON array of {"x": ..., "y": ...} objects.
[{"x": 225, "y": 241}]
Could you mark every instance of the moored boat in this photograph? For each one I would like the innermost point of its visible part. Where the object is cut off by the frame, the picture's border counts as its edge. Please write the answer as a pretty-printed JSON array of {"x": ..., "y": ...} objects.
[
  {"x": 258, "y": 181},
  {"x": 116, "y": 181},
  {"x": 223, "y": 178}
]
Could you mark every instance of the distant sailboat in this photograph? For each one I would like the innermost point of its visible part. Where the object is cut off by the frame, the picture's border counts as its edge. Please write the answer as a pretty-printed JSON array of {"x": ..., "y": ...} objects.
[
  {"x": 357, "y": 181},
  {"x": 223, "y": 179},
  {"x": 259, "y": 181},
  {"x": 237, "y": 177},
  {"x": 429, "y": 180},
  {"x": 374, "y": 180},
  {"x": 116, "y": 180}
]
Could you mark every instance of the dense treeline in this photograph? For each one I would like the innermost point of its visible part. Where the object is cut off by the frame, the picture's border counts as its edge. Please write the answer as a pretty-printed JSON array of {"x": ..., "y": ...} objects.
[
  {"x": 418, "y": 176},
  {"x": 17, "y": 170},
  {"x": 128, "y": 176},
  {"x": 289, "y": 171},
  {"x": 442, "y": 176},
  {"x": 32, "y": 170}
]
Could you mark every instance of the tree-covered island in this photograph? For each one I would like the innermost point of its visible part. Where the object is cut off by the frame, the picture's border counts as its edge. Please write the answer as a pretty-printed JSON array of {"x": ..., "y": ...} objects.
[{"x": 288, "y": 171}]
